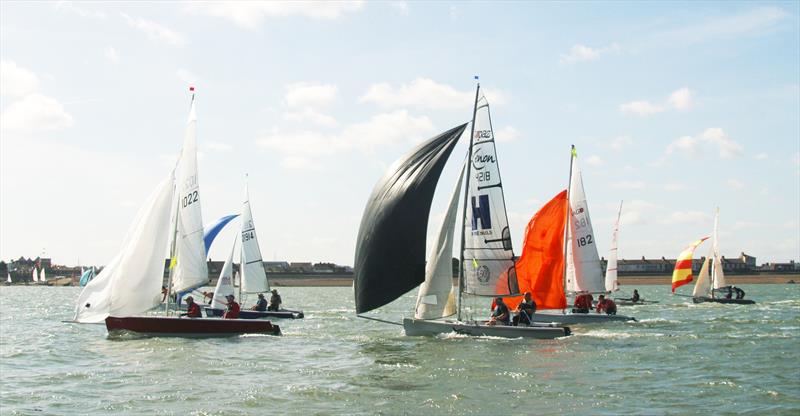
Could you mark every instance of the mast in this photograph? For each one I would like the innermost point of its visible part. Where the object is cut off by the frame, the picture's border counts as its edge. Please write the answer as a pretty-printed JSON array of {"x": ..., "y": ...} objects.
[
  {"x": 567, "y": 222},
  {"x": 466, "y": 193}
]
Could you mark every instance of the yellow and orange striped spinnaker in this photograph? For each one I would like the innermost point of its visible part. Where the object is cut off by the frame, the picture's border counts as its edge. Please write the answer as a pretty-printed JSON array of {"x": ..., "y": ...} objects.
[{"x": 683, "y": 266}]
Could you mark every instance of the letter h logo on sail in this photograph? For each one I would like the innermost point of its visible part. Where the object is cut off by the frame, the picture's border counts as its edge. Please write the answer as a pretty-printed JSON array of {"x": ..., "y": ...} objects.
[{"x": 481, "y": 212}]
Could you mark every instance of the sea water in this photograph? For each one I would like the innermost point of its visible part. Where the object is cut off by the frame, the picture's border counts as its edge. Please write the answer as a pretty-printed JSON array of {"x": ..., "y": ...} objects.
[{"x": 680, "y": 358}]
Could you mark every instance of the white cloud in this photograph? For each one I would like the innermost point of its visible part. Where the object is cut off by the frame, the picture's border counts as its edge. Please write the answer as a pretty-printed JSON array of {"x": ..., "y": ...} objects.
[
  {"x": 16, "y": 81},
  {"x": 216, "y": 146},
  {"x": 156, "y": 31},
  {"x": 686, "y": 145},
  {"x": 749, "y": 23},
  {"x": 111, "y": 54},
  {"x": 298, "y": 163},
  {"x": 304, "y": 94},
  {"x": 250, "y": 14},
  {"x": 595, "y": 161},
  {"x": 727, "y": 147},
  {"x": 686, "y": 217},
  {"x": 507, "y": 134},
  {"x": 581, "y": 53},
  {"x": 746, "y": 225},
  {"x": 681, "y": 99},
  {"x": 640, "y": 108},
  {"x": 735, "y": 184},
  {"x": 711, "y": 138},
  {"x": 70, "y": 7},
  {"x": 761, "y": 156},
  {"x": 423, "y": 93},
  {"x": 35, "y": 112},
  {"x": 309, "y": 115},
  {"x": 636, "y": 212},
  {"x": 382, "y": 129},
  {"x": 629, "y": 185}
]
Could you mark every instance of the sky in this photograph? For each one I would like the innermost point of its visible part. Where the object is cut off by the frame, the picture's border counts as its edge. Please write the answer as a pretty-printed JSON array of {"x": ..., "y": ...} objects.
[{"x": 675, "y": 107}]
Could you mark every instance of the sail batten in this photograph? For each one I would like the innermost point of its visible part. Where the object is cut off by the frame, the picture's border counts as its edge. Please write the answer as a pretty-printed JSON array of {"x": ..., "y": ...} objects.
[{"x": 390, "y": 248}]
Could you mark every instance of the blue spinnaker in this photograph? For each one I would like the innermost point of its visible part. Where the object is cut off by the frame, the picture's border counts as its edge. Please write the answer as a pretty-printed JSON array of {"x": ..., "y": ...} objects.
[
  {"x": 87, "y": 276},
  {"x": 212, "y": 230}
]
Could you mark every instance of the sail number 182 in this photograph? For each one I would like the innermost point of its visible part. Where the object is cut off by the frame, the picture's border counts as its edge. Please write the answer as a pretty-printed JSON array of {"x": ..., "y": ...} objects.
[{"x": 585, "y": 240}]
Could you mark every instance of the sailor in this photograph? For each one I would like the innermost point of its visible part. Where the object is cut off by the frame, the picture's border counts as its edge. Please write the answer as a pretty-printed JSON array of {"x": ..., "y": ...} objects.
[
  {"x": 261, "y": 304},
  {"x": 583, "y": 303},
  {"x": 192, "y": 309},
  {"x": 274, "y": 301},
  {"x": 635, "y": 297},
  {"x": 739, "y": 292},
  {"x": 232, "y": 312},
  {"x": 606, "y": 305},
  {"x": 525, "y": 310},
  {"x": 500, "y": 315}
]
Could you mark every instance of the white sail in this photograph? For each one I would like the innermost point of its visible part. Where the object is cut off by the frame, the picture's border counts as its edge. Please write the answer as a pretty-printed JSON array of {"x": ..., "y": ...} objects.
[
  {"x": 488, "y": 255},
  {"x": 584, "y": 271},
  {"x": 8, "y": 279},
  {"x": 717, "y": 275},
  {"x": 35, "y": 276},
  {"x": 612, "y": 285},
  {"x": 191, "y": 270},
  {"x": 436, "y": 298},
  {"x": 131, "y": 282},
  {"x": 702, "y": 286},
  {"x": 42, "y": 276},
  {"x": 253, "y": 278},
  {"x": 225, "y": 282}
]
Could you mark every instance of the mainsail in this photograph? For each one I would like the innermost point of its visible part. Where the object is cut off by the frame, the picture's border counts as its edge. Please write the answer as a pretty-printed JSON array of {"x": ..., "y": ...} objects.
[
  {"x": 390, "y": 248},
  {"x": 436, "y": 298},
  {"x": 122, "y": 288},
  {"x": 253, "y": 277},
  {"x": 611, "y": 268},
  {"x": 189, "y": 258},
  {"x": 541, "y": 266},
  {"x": 42, "y": 276},
  {"x": 717, "y": 275},
  {"x": 488, "y": 257},
  {"x": 584, "y": 272},
  {"x": 35, "y": 276}
]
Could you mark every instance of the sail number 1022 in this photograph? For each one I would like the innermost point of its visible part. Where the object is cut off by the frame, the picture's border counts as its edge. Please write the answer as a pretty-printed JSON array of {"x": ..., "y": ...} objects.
[{"x": 189, "y": 199}]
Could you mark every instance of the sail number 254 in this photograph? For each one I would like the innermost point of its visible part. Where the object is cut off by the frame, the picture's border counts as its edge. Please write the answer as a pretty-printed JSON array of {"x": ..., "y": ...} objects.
[{"x": 189, "y": 199}]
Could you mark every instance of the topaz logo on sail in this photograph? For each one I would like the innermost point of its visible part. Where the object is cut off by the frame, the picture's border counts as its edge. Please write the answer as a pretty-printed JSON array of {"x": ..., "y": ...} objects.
[{"x": 483, "y": 134}]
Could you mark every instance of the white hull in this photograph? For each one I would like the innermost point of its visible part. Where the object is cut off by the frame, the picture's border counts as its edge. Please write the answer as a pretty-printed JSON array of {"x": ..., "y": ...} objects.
[
  {"x": 421, "y": 327},
  {"x": 578, "y": 318}
]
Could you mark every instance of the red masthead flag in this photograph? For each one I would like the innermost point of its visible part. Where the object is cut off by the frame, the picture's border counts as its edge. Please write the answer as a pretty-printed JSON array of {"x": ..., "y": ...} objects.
[{"x": 191, "y": 88}]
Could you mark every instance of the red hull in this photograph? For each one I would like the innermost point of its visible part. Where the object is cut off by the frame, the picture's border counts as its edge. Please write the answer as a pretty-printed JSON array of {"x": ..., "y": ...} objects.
[{"x": 189, "y": 327}]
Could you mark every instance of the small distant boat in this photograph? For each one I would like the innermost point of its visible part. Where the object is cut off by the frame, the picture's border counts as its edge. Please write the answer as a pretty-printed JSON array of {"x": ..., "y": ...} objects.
[
  {"x": 710, "y": 285},
  {"x": 390, "y": 248},
  {"x": 35, "y": 275},
  {"x": 8, "y": 278},
  {"x": 130, "y": 284},
  {"x": 253, "y": 276}
]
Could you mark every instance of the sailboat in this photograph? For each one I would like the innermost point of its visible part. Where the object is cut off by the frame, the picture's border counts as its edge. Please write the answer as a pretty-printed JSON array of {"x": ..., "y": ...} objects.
[
  {"x": 43, "y": 276},
  {"x": 253, "y": 276},
  {"x": 130, "y": 284},
  {"x": 612, "y": 284},
  {"x": 583, "y": 272},
  {"x": 87, "y": 276},
  {"x": 390, "y": 249},
  {"x": 8, "y": 277},
  {"x": 35, "y": 275},
  {"x": 710, "y": 285}
]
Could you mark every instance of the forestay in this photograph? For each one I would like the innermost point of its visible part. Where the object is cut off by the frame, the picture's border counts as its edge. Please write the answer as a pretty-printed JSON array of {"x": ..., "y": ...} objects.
[
  {"x": 191, "y": 270},
  {"x": 584, "y": 272},
  {"x": 131, "y": 282},
  {"x": 390, "y": 248},
  {"x": 488, "y": 255},
  {"x": 436, "y": 298},
  {"x": 253, "y": 276}
]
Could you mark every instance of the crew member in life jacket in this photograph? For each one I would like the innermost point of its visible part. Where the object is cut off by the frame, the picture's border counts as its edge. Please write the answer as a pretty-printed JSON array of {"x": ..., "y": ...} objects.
[
  {"x": 274, "y": 301},
  {"x": 232, "y": 312},
  {"x": 606, "y": 305},
  {"x": 192, "y": 309},
  {"x": 583, "y": 303}
]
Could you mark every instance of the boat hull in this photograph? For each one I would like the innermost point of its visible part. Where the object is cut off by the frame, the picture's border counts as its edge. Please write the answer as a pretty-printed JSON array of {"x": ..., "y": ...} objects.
[
  {"x": 248, "y": 314},
  {"x": 704, "y": 299},
  {"x": 620, "y": 302},
  {"x": 166, "y": 326},
  {"x": 421, "y": 327},
  {"x": 579, "y": 318}
]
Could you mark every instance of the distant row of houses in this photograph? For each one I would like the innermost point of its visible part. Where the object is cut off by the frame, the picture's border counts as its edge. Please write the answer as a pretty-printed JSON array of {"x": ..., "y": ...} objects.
[{"x": 21, "y": 269}]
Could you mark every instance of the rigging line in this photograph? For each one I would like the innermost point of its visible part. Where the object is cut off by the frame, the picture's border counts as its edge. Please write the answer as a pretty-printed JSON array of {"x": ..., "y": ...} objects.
[{"x": 379, "y": 320}]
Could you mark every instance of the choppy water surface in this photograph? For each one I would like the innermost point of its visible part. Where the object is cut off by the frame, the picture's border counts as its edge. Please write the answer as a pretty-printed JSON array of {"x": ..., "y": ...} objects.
[{"x": 680, "y": 358}]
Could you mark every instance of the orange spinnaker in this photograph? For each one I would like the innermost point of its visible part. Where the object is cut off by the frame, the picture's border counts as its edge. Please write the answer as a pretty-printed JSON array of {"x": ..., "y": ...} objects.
[
  {"x": 540, "y": 268},
  {"x": 683, "y": 265}
]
